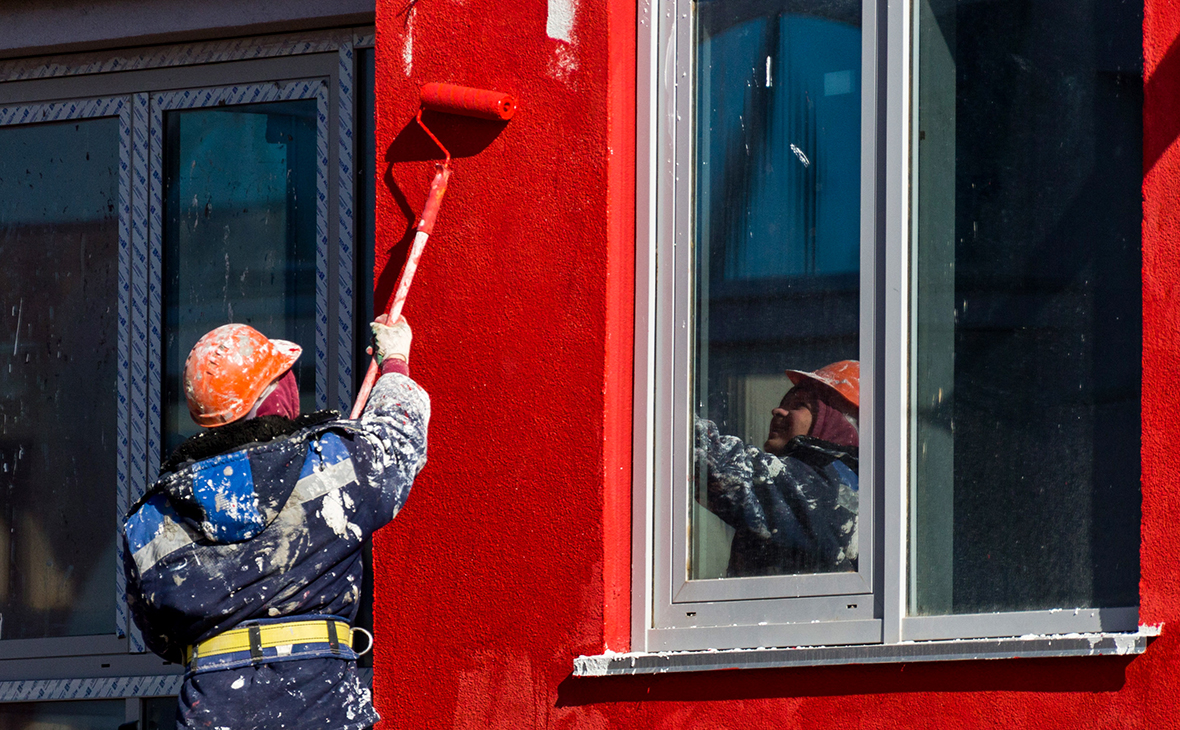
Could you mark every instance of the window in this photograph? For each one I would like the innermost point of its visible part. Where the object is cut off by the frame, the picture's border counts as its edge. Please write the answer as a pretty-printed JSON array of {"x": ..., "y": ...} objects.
[
  {"x": 946, "y": 193},
  {"x": 246, "y": 222},
  {"x": 144, "y": 200},
  {"x": 61, "y": 188},
  {"x": 83, "y": 715}
]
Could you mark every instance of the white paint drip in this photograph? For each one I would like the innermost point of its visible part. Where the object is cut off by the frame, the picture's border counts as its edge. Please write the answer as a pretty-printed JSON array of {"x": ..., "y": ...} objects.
[
  {"x": 559, "y": 25},
  {"x": 19, "y": 313},
  {"x": 239, "y": 683},
  {"x": 1124, "y": 643},
  {"x": 802, "y": 157},
  {"x": 408, "y": 43},
  {"x": 563, "y": 63}
]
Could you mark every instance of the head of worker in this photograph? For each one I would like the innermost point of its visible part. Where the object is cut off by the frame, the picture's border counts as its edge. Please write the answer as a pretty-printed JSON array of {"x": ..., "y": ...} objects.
[
  {"x": 823, "y": 404},
  {"x": 235, "y": 373}
]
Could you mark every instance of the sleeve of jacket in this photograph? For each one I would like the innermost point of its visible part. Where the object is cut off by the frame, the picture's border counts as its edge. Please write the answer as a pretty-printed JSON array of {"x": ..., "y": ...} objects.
[
  {"x": 154, "y": 634},
  {"x": 774, "y": 499},
  {"x": 732, "y": 469},
  {"x": 390, "y": 448}
]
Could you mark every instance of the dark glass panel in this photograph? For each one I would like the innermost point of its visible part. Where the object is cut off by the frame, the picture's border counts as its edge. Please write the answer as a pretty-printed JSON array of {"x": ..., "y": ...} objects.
[
  {"x": 59, "y": 240},
  {"x": 240, "y": 235},
  {"x": 73, "y": 715},
  {"x": 1027, "y": 364}
]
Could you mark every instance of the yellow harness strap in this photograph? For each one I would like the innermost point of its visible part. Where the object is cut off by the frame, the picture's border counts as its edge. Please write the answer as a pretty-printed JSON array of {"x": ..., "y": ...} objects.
[{"x": 264, "y": 636}]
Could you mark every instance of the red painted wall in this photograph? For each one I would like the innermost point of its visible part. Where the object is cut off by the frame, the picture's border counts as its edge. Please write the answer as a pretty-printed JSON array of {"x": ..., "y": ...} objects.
[{"x": 502, "y": 567}]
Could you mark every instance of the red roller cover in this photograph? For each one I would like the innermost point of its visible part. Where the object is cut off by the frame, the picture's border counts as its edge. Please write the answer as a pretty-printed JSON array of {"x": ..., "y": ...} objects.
[{"x": 468, "y": 101}]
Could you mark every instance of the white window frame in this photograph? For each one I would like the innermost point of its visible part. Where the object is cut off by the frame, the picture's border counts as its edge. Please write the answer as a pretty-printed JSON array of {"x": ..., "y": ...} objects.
[{"x": 732, "y": 618}]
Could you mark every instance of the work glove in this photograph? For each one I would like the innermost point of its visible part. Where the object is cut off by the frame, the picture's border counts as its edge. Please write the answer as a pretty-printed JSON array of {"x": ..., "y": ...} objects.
[{"x": 391, "y": 341}]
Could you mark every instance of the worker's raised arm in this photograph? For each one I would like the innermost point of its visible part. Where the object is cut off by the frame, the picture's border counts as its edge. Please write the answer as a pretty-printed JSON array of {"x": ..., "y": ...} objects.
[
  {"x": 793, "y": 513},
  {"x": 391, "y": 446}
]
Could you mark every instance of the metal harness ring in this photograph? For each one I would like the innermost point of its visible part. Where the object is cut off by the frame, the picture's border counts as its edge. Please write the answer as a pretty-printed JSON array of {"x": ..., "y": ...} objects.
[{"x": 366, "y": 633}]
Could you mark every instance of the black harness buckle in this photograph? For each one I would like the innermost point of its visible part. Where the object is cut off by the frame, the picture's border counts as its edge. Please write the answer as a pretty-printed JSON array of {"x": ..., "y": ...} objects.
[
  {"x": 255, "y": 634},
  {"x": 333, "y": 641}
]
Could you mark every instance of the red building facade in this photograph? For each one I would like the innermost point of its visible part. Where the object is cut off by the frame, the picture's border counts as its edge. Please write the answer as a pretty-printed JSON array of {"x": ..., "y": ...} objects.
[{"x": 516, "y": 553}]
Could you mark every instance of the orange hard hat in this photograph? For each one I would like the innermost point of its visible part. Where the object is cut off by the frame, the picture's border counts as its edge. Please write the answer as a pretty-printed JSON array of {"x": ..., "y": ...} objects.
[
  {"x": 842, "y": 377},
  {"x": 229, "y": 368}
]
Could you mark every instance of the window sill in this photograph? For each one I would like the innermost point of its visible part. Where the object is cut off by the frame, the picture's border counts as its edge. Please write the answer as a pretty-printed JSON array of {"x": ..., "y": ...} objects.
[{"x": 1023, "y": 647}]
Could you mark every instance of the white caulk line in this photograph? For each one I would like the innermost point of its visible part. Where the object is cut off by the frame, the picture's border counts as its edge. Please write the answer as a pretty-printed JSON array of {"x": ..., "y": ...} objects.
[
  {"x": 20, "y": 310},
  {"x": 559, "y": 25}
]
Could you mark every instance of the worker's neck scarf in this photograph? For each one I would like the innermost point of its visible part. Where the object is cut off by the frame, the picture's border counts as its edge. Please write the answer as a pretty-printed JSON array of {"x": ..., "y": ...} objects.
[
  {"x": 833, "y": 423},
  {"x": 284, "y": 401}
]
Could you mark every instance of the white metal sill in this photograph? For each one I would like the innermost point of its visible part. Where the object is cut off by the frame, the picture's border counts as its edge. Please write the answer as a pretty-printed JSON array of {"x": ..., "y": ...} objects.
[{"x": 1023, "y": 647}]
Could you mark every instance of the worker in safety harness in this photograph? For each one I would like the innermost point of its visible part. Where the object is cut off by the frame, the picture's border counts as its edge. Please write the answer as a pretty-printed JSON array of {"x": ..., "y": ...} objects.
[
  {"x": 244, "y": 560},
  {"x": 794, "y": 502}
]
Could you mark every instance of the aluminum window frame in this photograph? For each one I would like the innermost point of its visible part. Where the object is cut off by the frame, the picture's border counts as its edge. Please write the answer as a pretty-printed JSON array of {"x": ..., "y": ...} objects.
[
  {"x": 823, "y": 608},
  {"x": 903, "y": 244},
  {"x": 34, "y": 90},
  {"x": 660, "y": 621}
]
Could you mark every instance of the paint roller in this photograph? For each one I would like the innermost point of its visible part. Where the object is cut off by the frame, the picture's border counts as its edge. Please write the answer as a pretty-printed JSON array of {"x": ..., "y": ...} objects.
[{"x": 450, "y": 99}]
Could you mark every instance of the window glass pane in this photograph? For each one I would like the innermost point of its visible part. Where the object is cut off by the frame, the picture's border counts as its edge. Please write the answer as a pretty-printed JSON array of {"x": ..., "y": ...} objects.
[
  {"x": 80, "y": 715},
  {"x": 240, "y": 235},
  {"x": 159, "y": 713},
  {"x": 776, "y": 282},
  {"x": 59, "y": 238},
  {"x": 1026, "y": 380}
]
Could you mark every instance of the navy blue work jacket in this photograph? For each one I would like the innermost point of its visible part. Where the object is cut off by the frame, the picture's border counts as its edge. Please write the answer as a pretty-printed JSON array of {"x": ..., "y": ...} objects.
[
  {"x": 794, "y": 513},
  {"x": 270, "y": 531}
]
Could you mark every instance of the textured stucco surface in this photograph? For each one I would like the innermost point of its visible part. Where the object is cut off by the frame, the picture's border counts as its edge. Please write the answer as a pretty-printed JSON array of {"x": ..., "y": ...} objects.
[{"x": 502, "y": 568}]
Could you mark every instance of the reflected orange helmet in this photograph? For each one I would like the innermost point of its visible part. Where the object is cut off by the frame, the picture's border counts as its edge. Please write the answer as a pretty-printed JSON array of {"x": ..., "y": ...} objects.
[
  {"x": 842, "y": 377},
  {"x": 229, "y": 368}
]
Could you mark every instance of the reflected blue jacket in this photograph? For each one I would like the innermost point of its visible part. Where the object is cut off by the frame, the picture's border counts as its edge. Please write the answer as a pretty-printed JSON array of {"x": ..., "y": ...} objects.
[
  {"x": 792, "y": 514},
  {"x": 267, "y": 531}
]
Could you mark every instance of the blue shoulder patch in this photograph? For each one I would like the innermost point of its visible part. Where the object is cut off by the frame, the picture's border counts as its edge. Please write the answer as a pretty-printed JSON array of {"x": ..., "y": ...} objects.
[
  {"x": 224, "y": 487},
  {"x": 324, "y": 451},
  {"x": 148, "y": 522},
  {"x": 846, "y": 475}
]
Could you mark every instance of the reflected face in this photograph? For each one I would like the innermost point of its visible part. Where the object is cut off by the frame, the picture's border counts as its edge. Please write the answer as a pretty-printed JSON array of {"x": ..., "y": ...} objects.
[{"x": 792, "y": 418}]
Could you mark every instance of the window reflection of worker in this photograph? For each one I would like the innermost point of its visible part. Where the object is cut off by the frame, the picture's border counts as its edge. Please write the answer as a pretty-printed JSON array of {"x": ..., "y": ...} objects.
[
  {"x": 244, "y": 560},
  {"x": 793, "y": 503}
]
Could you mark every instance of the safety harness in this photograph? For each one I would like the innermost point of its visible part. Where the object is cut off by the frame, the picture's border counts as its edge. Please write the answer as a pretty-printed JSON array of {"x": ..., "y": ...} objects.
[{"x": 276, "y": 640}]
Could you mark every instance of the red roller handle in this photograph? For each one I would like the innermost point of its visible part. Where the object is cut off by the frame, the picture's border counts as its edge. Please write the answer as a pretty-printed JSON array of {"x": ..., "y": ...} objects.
[
  {"x": 468, "y": 101},
  {"x": 438, "y": 188},
  {"x": 451, "y": 99}
]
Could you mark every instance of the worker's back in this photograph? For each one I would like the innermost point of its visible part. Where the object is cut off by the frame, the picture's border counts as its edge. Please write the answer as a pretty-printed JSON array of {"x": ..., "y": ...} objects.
[{"x": 263, "y": 533}]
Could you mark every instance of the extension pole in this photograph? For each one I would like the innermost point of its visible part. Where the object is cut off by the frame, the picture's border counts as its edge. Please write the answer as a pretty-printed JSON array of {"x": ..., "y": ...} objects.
[
  {"x": 425, "y": 226},
  {"x": 452, "y": 99}
]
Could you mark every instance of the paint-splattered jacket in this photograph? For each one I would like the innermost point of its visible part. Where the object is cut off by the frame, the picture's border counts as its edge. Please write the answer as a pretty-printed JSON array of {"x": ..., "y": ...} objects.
[
  {"x": 272, "y": 530},
  {"x": 792, "y": 514}
]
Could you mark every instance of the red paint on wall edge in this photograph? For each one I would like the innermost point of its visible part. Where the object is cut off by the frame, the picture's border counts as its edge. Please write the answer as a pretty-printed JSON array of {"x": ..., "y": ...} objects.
[
  {"x": 1159, "y": 586},
  {"x": 620, "y": 330}
]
